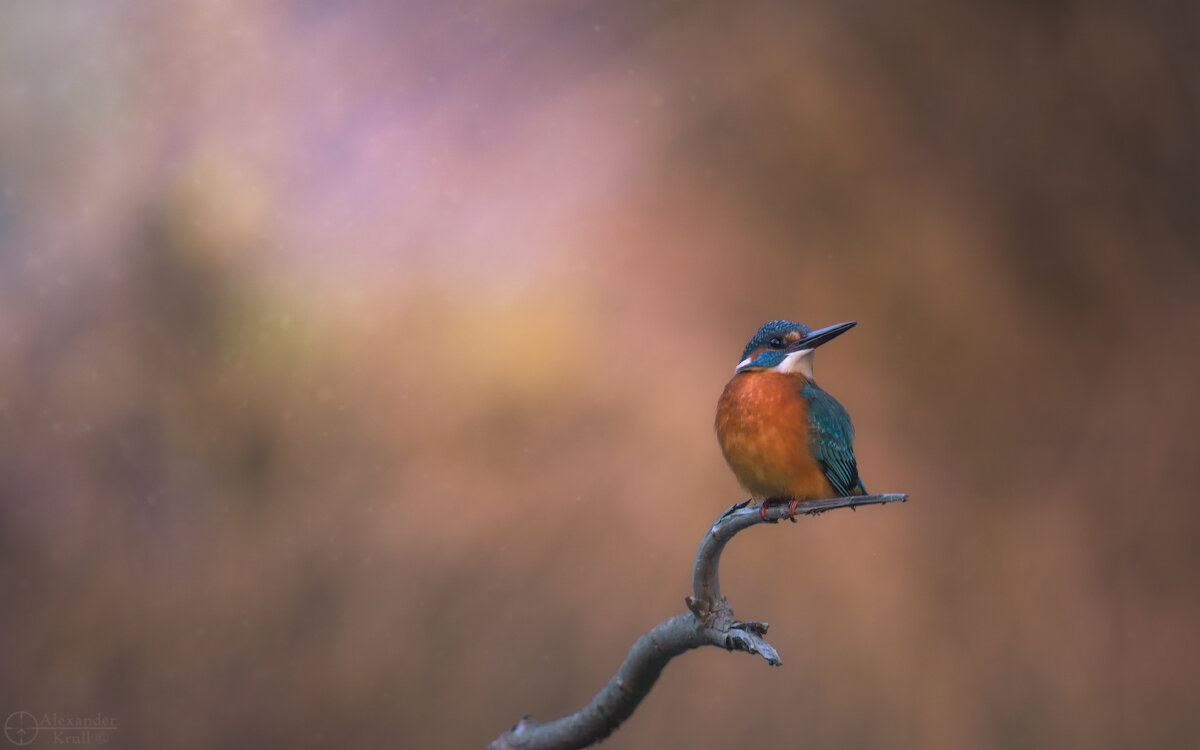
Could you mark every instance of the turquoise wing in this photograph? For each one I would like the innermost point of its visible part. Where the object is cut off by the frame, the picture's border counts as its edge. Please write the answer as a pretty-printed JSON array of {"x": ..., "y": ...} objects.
[{"x": 832, "y": 437}]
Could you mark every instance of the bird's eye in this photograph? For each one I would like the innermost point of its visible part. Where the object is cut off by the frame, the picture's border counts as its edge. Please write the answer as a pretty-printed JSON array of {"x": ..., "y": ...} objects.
[{"x": 776, "y": 342}]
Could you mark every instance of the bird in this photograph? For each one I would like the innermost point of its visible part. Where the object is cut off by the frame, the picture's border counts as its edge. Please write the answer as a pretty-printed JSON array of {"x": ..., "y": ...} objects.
[{"x": 785, "y": 438}]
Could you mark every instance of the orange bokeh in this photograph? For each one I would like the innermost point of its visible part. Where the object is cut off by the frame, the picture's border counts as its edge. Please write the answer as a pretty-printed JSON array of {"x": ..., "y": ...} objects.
[{"x": 358, "y": 367}]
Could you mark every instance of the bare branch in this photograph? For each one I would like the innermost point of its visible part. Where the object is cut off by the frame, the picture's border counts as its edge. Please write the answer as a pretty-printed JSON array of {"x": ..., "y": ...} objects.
[{"x": 709, "y": 623}]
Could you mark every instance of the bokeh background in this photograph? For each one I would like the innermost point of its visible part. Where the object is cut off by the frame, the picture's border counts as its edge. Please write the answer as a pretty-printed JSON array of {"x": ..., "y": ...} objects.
[{"x": 358, "y": 365}]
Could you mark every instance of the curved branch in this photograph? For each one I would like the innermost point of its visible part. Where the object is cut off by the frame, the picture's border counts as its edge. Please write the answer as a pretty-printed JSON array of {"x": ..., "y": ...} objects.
[{"x": 709, "y": 623}]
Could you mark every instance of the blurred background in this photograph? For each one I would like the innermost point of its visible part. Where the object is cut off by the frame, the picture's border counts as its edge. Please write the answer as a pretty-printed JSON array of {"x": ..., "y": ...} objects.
[{"x": 358, "y": 366}]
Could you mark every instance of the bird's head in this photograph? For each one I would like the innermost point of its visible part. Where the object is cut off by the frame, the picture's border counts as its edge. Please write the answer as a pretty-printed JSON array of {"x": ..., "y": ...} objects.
[{"x": 787, "y": 346}]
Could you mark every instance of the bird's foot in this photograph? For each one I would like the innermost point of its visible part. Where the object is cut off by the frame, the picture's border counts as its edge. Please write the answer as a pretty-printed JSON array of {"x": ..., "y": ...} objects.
[
  {"x": 791, "y": 505},
  {"x": 792, "y": 510}
]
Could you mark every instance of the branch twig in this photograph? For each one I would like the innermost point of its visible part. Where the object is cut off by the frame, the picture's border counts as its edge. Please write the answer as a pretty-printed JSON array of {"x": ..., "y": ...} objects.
[{"x": 709, "y": 623}]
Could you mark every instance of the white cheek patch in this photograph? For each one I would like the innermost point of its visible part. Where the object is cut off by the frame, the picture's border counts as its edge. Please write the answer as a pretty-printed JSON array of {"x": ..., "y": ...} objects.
[{"x": 797, "y": 362}]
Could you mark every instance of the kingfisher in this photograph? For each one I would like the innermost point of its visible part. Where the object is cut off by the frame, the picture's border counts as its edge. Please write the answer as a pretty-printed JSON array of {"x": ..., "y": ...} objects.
[{"x": 785, "y": 438}]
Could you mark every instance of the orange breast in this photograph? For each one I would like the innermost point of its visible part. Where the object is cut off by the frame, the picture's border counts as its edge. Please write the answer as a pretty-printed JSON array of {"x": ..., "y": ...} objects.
[{"x": 762, "y": 425}]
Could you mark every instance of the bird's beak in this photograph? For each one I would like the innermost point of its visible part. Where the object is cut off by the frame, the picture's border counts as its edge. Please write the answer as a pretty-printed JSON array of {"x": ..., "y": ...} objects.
[{"x": 816, "y": 338}]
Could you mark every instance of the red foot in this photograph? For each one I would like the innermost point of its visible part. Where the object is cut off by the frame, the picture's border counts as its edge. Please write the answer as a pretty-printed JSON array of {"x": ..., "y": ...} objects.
[
  {"x": 791, "y": 504},
  {"x": 769, "y": 502}
]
